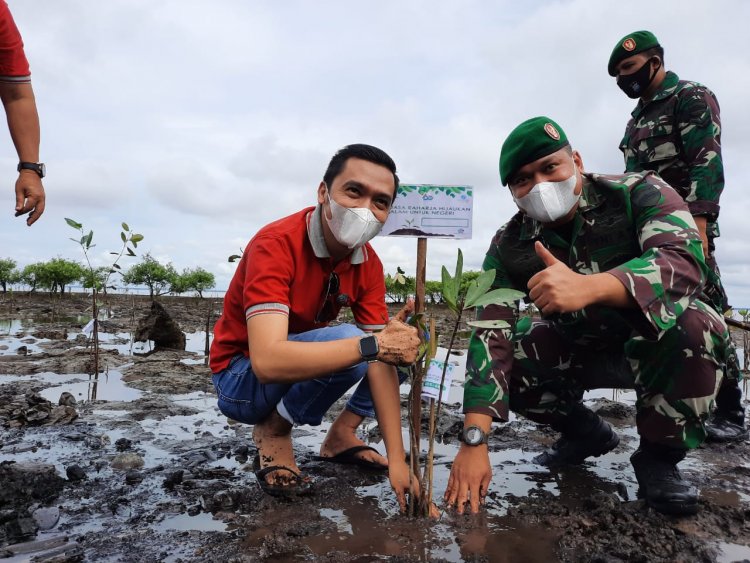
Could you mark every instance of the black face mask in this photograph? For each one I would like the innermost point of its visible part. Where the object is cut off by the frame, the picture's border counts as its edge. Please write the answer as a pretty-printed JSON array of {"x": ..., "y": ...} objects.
[{"x": 634, "y": 85}]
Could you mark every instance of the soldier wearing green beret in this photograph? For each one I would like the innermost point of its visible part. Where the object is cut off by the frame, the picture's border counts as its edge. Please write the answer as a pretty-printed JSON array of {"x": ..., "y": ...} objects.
[
  {"x": 675, "y": 131},
  {"x": 614, "y": 265}
]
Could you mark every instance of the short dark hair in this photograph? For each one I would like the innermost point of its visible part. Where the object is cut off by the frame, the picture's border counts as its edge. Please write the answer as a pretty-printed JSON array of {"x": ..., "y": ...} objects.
[
  {"x": 657, "y": 51},
  {"x": 364, "y": 152}
]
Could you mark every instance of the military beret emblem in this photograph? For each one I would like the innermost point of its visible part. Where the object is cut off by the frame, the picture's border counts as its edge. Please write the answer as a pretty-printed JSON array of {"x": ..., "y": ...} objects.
[
  {"x": 552, "y": 131},
  {"x": 628, "y": 44}
]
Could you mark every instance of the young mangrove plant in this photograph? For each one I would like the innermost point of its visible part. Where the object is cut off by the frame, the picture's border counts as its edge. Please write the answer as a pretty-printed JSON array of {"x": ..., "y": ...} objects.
[
  {"x": 459, "y": 297},
  {"x": 99, "y": 279}
]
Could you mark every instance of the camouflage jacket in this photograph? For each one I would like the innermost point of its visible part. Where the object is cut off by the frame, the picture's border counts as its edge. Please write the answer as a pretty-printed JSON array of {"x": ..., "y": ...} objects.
[
  {"x": 632, "y": 226},
  {"x": 678, "y": 135}
]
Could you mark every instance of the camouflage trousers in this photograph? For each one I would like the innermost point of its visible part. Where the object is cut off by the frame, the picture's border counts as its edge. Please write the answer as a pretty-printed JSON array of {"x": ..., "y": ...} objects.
[{"x": 675, "y": 377}]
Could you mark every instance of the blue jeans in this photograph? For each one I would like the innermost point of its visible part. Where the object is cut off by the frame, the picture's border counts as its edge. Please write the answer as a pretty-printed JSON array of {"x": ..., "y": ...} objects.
[{"x": 242, "y": 397}]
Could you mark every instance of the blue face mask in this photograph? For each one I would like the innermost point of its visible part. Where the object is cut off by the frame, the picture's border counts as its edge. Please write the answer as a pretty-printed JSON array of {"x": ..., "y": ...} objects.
[{"x": 635, "y": 84}]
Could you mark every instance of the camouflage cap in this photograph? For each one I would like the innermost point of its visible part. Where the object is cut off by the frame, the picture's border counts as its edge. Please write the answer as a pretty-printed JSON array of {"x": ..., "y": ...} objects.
[
  {"x": 630, "y": 45},
  {"x": 531, "y": 140}
]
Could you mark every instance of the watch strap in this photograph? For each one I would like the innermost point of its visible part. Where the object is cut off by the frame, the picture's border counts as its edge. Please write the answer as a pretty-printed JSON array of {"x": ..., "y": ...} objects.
[{"x": 37, "y": 167}]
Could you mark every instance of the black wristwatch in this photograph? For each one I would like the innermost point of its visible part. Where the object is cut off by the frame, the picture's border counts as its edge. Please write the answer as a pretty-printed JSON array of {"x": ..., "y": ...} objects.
[
  {"x": 37, "y": 167},
  {"x": 368, "y": 348},
  {"x": 474, "y": 436}
]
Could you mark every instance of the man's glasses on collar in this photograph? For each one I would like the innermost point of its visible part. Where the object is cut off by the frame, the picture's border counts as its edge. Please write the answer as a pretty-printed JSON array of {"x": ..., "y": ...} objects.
[{"x": 327, "y": 311}]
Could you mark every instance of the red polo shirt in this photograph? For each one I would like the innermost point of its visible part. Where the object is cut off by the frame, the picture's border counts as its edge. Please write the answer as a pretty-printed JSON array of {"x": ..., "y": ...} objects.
[
  {"x": 285, "y": 269},
  {"x": 13, "y": 64}
]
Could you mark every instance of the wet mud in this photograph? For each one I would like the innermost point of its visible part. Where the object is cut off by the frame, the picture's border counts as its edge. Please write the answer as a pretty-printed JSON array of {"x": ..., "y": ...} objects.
[{"x": 139, "y": 465}]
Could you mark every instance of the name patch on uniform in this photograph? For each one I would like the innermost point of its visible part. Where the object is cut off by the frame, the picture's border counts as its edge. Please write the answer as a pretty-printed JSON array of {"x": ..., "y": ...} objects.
[{"x": 552, "y": 131}]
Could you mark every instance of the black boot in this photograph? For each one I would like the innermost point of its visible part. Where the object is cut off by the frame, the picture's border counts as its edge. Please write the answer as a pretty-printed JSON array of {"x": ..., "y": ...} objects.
[
  {"x": 584, "y": 434},
  {"x": 660, "y": 482},
  {"x": 727, "y": 423}
]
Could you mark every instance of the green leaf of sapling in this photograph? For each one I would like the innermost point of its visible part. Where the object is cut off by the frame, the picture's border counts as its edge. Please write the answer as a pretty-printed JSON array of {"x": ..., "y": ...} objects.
[
  {"x": 479, "y": 287},
  {"x": 449, "y": 289},
  {"x": 499, "y": 297}
]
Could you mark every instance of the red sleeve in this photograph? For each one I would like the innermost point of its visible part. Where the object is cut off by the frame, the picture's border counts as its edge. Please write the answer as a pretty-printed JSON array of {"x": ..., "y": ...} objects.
[
  {"x": 370, "y": 312},
  {"x": 13, "y": 64},
  {"x": 268, "y": 277}
]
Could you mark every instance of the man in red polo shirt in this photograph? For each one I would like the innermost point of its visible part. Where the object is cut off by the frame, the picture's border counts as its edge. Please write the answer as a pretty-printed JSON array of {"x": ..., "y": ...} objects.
[
  {"x": 276, "y": 362},
  {"x": 23, "y": 121}
]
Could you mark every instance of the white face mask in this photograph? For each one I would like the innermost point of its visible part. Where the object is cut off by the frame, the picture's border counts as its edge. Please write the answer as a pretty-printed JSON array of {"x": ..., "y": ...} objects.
[
  {"x": 352, "y": 226},
  {"x": 549, "y": 201}
]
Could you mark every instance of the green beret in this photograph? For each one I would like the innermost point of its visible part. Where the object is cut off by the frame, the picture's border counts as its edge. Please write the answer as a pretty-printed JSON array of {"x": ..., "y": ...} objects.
[
  {"x": 630, "y": 45},
  {"x": 533, "y": 139}
]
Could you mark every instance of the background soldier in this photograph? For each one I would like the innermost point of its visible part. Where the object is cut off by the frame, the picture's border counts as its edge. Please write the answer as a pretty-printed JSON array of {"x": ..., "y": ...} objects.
[
  {"x": 675, "y": 130},
  {"x": 614, "y": 264}
]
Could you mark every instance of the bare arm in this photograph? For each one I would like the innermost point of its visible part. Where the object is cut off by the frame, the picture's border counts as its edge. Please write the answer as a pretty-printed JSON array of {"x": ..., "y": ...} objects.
[
  {"x": 23, "y": 124},
  {"x": 701, "y": 222},
  {"x": 275, "y": 359},
  {"x": 383, "y": 381},
  {"x": 471, "y": 471},
  {"x": 278, "y": 360}
]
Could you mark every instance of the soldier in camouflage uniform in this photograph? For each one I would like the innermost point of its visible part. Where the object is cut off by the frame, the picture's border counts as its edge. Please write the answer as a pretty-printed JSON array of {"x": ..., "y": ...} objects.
[
  {"x": 675, "y": 131},
  {"x": 614, "y": 265}
]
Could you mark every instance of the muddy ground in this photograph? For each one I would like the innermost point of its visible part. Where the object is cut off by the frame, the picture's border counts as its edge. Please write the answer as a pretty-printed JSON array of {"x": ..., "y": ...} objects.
[{"x": 139, "y": 465}]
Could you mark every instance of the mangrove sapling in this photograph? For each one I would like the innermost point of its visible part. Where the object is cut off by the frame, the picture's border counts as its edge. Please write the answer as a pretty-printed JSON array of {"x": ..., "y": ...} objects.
[
  {"x": 427, "y": 349},
  {"x": 459, "y": 298},
  {"x": 130, "y": 242}
]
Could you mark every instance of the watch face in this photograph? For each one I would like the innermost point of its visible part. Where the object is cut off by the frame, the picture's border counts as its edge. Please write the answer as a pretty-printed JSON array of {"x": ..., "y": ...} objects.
[
  {"x": 473, "y": 436},
  {"x": 368, "y": 347}
]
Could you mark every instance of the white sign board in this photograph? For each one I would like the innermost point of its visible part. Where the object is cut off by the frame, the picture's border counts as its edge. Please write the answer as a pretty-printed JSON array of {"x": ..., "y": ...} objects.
[{"x": 426, "y": 210}]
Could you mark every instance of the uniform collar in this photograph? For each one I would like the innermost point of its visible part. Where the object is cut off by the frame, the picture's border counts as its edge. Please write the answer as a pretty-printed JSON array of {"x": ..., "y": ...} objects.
[
  {"x": 668, "y": 86},
  {"x": 531, "y": 229},
  {"x": 317, "y": 240}
]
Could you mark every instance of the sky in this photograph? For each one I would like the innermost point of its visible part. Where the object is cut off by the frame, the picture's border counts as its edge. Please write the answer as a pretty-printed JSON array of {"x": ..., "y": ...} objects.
[{"x": 197, "y": 123}]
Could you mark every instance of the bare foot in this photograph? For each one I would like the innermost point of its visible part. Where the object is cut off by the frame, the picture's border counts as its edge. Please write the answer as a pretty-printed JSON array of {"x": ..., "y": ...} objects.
[
  {"x": 273, "y": 438},
  {"x": 343, "y": 435}
]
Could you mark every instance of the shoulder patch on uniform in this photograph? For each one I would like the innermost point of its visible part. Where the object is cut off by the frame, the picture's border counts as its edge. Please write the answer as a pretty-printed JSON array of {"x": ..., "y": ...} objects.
[
  {"x": 628, "y": 44},
  {"x": 646, "y": 195},
  {"x": 552, "y": 131}
]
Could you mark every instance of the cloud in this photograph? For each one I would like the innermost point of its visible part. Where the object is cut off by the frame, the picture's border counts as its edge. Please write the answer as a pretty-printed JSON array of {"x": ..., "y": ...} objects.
[{"x": 199, "y": 123}]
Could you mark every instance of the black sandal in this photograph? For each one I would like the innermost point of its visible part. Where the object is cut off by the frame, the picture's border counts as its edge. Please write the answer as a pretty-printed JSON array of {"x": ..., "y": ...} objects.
[{"x": 298, "y": 487}]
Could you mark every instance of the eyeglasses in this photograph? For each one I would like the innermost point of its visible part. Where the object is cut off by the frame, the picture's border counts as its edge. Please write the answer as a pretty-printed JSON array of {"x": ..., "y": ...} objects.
[{"x": 327, "y": 311}]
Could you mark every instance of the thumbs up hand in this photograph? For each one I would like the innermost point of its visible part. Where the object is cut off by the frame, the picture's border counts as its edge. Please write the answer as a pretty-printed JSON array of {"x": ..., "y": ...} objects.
[
  {"x": 557, "y": 288},
  {"x": 547, "y": 257}
]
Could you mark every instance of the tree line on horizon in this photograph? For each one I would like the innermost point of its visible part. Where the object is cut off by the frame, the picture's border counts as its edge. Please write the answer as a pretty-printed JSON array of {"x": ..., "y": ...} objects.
[{"x": 58, "y": 273}]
